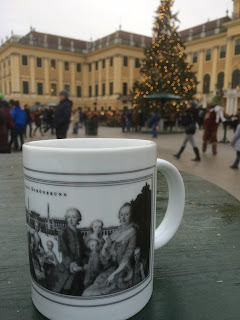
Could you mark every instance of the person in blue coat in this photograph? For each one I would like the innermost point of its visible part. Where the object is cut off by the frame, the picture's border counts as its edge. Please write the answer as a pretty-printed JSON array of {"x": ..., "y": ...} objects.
[
  {"x": 155, "y": 120},
  {"x": 20, "y": 119}
]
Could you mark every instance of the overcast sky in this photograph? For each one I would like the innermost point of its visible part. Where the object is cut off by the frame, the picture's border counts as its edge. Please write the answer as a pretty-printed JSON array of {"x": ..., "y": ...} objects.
[{"x": 97, "y": 18}]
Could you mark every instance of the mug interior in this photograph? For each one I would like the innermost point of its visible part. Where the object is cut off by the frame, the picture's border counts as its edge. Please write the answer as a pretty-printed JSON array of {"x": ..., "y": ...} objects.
[{"x": 90, "y": 144}]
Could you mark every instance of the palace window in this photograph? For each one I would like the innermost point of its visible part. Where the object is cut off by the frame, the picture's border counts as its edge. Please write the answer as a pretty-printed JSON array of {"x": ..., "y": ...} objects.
[
  {"x": 237, "y": 46},
  {"x": 195, "y": 57},
  {"x": 53, "y": 64},
  {"x": 206, "y": 83},
  {"x": 25, "y": 87},
  {"x": 66, "y": 65},
  {"x": 90, "y": 91},
  {"x": 109, "y": 108},
  {"x": 125, "y": 61},
  {"x": 236, "y": 79},
  {"x": 222, "y": 52},
  {"x": 53, "y": 89},
  {"x": 111, "y": 61},
  {"x": 39, "y": 88},
  {"x": 111, "y": 88},
  {"x": 79, "y": 91},
  {"x": 103, "y": 89},
  {"x": 24, "y": 60},
  {"x": 125, "y": 88},
  {"x": 137, "y": 63},
  {"x": 89, "y": 67},
  {"x": 96, "y": 90},
  {"x": 96, "y": 65},
  {"x": 208, "y": 54},
  {"x": 67, "y": 88},
  {"x": 79, "y": 67},
  {"x": 39, "y": 62},
  {"x": 103, "y": 63},
  {"x": 220, "y": 80}
]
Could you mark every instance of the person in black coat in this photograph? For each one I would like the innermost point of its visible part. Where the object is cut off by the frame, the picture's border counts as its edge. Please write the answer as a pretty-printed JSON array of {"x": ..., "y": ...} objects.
[
  {"x": 6, "y": 123},
  {"x": 29, "y": 120},
  {"x": 63, "y": 115},
  {"x": 189, "y": 123},
  {"x": 49, "y": 117}
]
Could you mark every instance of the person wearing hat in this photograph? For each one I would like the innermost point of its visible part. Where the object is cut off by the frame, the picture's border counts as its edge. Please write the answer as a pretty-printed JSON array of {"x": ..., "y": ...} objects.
[
  {"x": 189, "y": 123},
  {"x": 217, "y": 100},
  {"x": 211, "y": 120},
  {"x": 63, "y": 115}
]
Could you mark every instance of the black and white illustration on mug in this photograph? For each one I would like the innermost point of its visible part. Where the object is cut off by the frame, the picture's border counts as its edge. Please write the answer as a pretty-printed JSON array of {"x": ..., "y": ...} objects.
[{"x": 74, "y": 256}]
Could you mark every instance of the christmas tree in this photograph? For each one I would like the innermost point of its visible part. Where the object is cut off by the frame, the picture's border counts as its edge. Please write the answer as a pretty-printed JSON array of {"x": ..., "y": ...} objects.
[{"x": 164, "y": 68}]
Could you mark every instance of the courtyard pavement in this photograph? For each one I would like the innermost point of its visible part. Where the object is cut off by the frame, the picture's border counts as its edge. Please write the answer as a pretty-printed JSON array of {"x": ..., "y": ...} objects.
[{"x": 212, "y": 168}]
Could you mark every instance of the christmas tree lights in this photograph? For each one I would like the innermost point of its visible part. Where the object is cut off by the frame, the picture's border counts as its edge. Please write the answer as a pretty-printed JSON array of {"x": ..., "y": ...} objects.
[{"x": 164, "y": 68}]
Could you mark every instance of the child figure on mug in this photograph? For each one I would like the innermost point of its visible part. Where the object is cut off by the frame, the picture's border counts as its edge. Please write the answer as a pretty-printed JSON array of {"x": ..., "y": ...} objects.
[
  {"x": 92, "y": 269},
  {"x": 95, "y": 233},
  {"x": 50, "y": 257}
]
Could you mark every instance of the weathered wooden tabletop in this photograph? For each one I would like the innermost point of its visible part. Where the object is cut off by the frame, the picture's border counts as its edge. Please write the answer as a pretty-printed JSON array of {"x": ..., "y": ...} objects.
[{"x": 197, "y": 275}]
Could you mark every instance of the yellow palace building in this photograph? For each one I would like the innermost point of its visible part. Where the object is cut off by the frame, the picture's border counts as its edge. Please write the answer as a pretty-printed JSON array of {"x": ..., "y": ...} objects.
[{"x": 100, "y": 74}]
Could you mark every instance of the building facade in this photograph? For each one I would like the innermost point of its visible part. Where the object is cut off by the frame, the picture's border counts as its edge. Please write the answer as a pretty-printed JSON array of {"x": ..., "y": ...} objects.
[
  {"x": 214, "y": 51},
  {"x": 97, "y": 74},
  {"x": 100, "y": 75}
]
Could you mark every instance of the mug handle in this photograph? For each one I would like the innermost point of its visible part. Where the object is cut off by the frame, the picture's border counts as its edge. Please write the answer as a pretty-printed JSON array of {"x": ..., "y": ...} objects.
[{"x": 175, "y": 209}]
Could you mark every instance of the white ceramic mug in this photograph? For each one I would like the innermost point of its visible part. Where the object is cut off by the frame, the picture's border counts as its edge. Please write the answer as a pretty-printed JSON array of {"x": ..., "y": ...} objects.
[{"x": 91, "y": 207}]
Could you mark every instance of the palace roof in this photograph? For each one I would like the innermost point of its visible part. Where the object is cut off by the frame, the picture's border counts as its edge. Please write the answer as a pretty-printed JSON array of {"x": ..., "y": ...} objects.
[
  {"x": 50, "y": 41},
  {"x": 204, "y": 30},
  {"x": 39, "y": 39}
]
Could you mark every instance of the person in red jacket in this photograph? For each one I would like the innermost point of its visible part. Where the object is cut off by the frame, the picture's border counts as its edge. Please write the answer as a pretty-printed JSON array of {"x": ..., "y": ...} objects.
[{"x": 210, "y": 130}]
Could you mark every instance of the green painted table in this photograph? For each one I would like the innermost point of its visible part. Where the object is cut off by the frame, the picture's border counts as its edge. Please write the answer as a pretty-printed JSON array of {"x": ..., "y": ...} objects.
[{"x": 197, "y": 275}]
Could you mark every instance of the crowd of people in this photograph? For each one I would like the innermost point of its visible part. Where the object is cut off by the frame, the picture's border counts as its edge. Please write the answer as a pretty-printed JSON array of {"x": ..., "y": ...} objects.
[
  {"x": 16, "y": 123},
  {"x": 214, "y": 114},
  {"x": 132, "y": 120}
]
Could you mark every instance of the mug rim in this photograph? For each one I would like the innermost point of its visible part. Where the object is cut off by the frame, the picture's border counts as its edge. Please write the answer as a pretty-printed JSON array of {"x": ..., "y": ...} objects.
[{"x": 62, "y": 145}]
